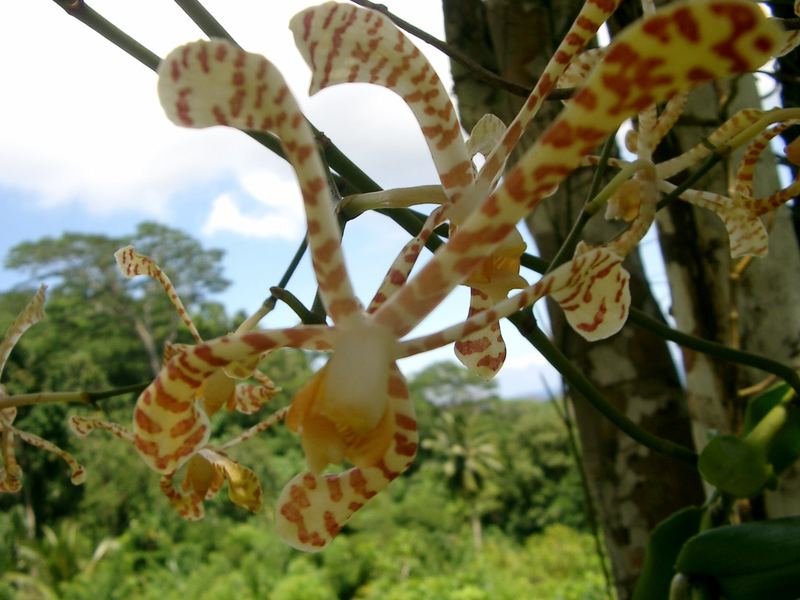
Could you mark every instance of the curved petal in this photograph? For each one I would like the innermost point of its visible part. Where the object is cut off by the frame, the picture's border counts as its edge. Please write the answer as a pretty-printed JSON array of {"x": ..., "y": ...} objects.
[
  {"x": 344, "y": 43},
  {"x": 29, "y": 316},
  {"x": 591, "y": 16},
  {"x": 168, "y": 423},
  {"x": 639, "y": 70},
  {"x": 209, "y": 83},
  {"x": 482, "y": 352},
  {"x": 312, "y": 509},
  {"x": 131, "y": 264},
  {"x": 594, "y": 294},
  {"x": 595, "y": 278}
]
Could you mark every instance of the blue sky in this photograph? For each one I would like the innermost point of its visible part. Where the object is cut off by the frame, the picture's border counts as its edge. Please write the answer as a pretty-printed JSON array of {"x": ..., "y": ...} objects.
[{"x": 86, "y": 148}]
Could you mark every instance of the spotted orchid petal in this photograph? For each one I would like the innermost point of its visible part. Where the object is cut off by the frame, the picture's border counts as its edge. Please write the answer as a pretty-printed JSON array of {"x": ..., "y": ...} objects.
[
  {"x": 132, "y": 264},
  {"x": 77, "y": 472},
  {"x": 743, "y": 180},
  {"x": 169, "y": 424},
  {"x": 401, "y": 267},
  {"x": 482, "y": 352},
  {"x": 667, "y": 53},
  {"x": 579, "y": 68},
  {"x": 596, "y": 272},
  {"x": 596, "y": 296},
  {"x": 591, "y": 16},
  {"x": 83, "y": 426},
  {"x": 206, "y": 472},
  {"x": 209, "y": 83},
  {"x": 29, "y": 316},
  {"x": 663, "y": 124},
  {"x": 312, "y": 508},
  {"x": 734, "y": 125},
  {"x": 344, "y": 43},
  {"x": 11, "y": 472}
]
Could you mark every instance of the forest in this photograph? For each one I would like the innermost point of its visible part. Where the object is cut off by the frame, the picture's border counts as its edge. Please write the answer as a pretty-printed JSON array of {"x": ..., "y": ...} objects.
[{"x": 494, "y": 508}]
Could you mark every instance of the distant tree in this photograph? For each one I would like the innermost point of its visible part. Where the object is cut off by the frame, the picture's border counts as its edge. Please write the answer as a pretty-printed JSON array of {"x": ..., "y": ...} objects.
[{"x": 89, "y": 293}]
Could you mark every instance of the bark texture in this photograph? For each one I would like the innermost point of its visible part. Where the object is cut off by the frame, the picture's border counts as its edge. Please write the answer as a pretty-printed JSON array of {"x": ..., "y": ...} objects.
[{"x": 633, "y": 488}]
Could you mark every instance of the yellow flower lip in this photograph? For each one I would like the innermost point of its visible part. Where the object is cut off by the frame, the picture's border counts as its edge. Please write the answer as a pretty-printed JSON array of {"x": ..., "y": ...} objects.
[{"x": 343, "y": 412}]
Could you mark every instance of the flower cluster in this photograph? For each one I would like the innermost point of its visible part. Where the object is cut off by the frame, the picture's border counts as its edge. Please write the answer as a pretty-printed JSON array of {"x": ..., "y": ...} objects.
[{"x": 356, "y": 409}]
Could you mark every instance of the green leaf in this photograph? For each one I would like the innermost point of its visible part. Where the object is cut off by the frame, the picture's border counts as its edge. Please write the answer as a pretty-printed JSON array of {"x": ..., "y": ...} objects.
[
  {"x": 734, "y": 466},
  {"x": 784, "y": 449},
  {"x": 665, "y": 543},
  {"x": 751, "y": 561}
]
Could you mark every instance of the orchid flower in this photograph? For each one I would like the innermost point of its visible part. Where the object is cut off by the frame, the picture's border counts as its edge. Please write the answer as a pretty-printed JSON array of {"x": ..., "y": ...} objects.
[
  {"x": 10, "y": 471},
  {"x": 209, "y": 467},
  {"x": 635, "y": 200},
  {"x": 342, "y": 43},
  {"x": 356, "y": 408}
]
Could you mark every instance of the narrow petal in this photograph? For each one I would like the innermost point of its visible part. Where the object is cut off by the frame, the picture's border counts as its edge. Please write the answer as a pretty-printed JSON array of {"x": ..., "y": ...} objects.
[
  {"x": 169, "y": 425},
  {"x": 482, "y": 352},
  {"x": 398, "y": 273},
  {"x": 209, "y": 83},
  {"x": 83, "y": 426},
  {"x": 649, "y": 62},
  {"x": 344, "y": 43},
  {"x": 251, "y": 397},
  {"x": 132, "y": 264},
  {"x": 10, "y": 473},
  {"x": 78, "y": 473},
  {"x": 312, "y": 509},
  {"x": 30, "y": 315},
  {"x": 587, "y": 279},
  {"x": 591, "y": 16}
]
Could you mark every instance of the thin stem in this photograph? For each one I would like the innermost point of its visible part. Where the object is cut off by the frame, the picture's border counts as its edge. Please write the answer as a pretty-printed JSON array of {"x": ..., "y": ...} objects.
[
  {"x": 486, "y": 75},
  {"x": 205, "y": 20},
  {"x": 591, "y": 512},
  {"x": 704, "y": 168},
  {"x": 526, "y": 324},
  {"x": 92, "y": 19},
  {"x": 68, "y": 397},
  {"x": 307, "y": 316},
  {"x": 716, "y": 349}
]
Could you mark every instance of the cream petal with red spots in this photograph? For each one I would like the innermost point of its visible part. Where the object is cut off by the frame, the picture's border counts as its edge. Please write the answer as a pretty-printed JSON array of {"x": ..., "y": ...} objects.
[
  {"x": 208, "y": 83},
  {"x": 312, "y": 508},
  {"x": 206, "y": 472},
  {"x": 667, "y": 53},
  {"x": 344, "y": 43},
  {"x": 169, "y": 424},
  {"x": 10, "y": 472}
]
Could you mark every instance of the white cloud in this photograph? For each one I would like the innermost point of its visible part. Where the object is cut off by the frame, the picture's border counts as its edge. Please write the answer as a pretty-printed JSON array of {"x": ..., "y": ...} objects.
[
  {"x": 80, "y": 121},
  {"x": 278, "y": 214}
]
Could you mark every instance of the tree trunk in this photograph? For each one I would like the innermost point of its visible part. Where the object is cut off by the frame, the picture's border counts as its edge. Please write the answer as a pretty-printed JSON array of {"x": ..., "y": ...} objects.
[
  {"x": 749, "y": 304},
  {"x": 633, "y": 488}
]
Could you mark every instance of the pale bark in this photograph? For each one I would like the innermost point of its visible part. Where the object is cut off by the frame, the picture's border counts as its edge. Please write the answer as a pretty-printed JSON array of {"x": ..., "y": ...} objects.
[
  {"x": 753, "y": 305},
  {"x": 633, "y": 488}
]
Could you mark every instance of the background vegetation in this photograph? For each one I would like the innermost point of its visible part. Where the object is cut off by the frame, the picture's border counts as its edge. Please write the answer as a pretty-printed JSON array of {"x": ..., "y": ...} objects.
[{"x": 493, "y": 507}]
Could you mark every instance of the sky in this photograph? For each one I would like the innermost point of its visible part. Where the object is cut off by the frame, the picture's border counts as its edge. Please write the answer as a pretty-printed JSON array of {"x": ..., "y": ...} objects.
[{"x": 85, "y": 147}]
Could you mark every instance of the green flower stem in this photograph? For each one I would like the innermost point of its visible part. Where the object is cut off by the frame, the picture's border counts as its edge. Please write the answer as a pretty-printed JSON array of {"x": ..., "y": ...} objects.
[
  {"x": 761, "y": 435},
  {"x": 91, "y": 18},
  {"x": 567, "y": 248},
  {"x": 68, "y": 397},
  {"x": 526, "y": 324},
  {"x": 716, "y": 349},
  {"x": 306, "y": 316},
  {"x": 356, "y": 204},
  {"x": 704, "y": 168}
]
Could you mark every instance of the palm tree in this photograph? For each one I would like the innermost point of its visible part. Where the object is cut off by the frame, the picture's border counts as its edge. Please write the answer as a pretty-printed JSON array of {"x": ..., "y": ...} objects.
[{"x": 469, "y": 460}]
